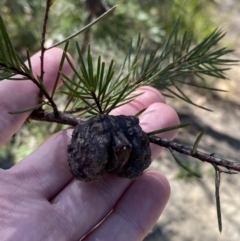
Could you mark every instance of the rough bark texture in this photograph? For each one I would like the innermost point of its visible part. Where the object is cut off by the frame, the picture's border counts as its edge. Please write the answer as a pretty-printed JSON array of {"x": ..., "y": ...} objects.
[{"x": 107, "y": 143}]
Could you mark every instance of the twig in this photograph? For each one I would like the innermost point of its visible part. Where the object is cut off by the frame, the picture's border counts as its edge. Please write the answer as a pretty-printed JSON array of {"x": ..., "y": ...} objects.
[
  {"x": 219, "y": 170},
  {"x": 68, "y": 119},
  {"x": 63, "y": 118},
  {"x": 44, "y": 28},
  {"x": 43, "y": 49},
  {"x": 210, "y": 158}
]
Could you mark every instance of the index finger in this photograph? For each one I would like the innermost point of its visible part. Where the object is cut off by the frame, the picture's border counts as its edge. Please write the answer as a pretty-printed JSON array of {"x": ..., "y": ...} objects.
[{"x": 19, "y": 95}]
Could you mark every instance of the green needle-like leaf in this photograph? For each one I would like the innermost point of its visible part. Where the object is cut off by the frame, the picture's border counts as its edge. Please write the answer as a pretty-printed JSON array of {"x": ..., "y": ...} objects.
[
  {"x": 159, "y": 66},
  {"x": 195, "y": 145},
  {"x": 10, "y": 63},
  {"x": 186, "y": 168},
  {"x": 170, "y": 128},
  {"x": 217, "y": 195},
  {"x": 8, "y": 57},
  {"x": 84, "y": 28},
  {"x": 60, "y": 68},
  {"x": 27, "y": 110}
]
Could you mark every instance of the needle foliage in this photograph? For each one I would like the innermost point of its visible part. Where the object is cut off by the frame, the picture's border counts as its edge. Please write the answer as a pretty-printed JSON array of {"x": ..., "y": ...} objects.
[{"x": 97, "y": 87}]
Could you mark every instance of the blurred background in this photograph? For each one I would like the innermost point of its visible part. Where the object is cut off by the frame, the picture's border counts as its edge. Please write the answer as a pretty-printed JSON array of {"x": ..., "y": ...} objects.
[{"x": 191, "y": 212}]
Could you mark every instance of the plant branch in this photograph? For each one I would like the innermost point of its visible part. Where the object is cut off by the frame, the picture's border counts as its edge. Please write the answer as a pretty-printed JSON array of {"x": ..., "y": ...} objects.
[
  {"x": 68, "y": 119},
  {"x": 204, "y": 157},
  {"x": 43, "y": 49},
  {"x": 49, "y": 116}
]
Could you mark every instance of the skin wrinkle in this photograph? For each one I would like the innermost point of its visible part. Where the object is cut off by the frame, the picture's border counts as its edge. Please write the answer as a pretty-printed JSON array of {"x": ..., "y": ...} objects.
[
  {"x": 26, "y": 181},
  {"x": 125, "y": 215},
  {"x": 61, "y": 222},
  {"x": 63, "y": 207},
  {"x": 127, "y": 219},
  {"x": 14, "y": 203},
  {"x": 87, "y": 201},
  {"x": 107, "y": 195},
  {"x": 48, "y": 230},
  {"x": 56, "y": 152},
  {"x": 20, "y": 213}
]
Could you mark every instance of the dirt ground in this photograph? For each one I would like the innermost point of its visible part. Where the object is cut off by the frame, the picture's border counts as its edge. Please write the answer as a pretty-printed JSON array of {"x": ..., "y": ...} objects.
[{"x": 191, "y": 211}]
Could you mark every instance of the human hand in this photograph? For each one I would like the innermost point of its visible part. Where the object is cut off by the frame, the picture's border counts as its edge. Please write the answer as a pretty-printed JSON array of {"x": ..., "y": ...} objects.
[{"x": 40, "y": 200}]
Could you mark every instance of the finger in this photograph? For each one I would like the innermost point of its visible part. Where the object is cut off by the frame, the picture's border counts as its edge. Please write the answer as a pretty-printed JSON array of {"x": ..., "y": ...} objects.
[
  {"x": 46, "y": 168},
  {"x": 19, "y": 95},
  {"x": 148, "y": 95},
  {"x": 158, "y": 116},
  {"x": 137, "y": 210},
  {"x": 86, "y": 204}
]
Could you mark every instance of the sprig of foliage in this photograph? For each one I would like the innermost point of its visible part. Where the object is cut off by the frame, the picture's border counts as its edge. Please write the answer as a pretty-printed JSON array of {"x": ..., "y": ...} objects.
[
  {"x": 100, "y": 90},
  {"x": 13, "y": 67},
  {"x": 10, "y": 63},
  {"x": 164, "y": 67}
]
